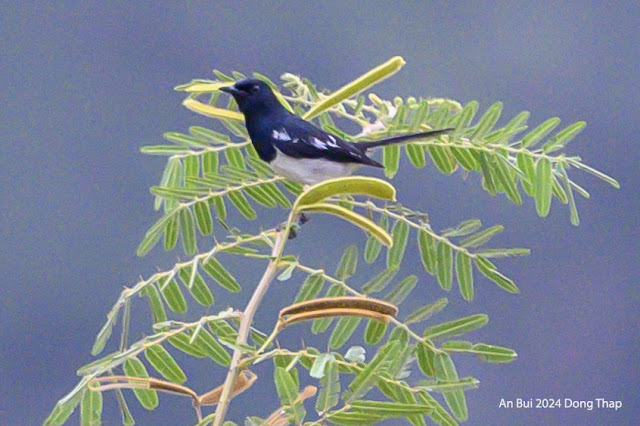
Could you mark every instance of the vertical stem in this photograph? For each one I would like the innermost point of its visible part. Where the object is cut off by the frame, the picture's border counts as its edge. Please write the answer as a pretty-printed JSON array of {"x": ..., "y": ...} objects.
[{"x": 247, "y": 319}]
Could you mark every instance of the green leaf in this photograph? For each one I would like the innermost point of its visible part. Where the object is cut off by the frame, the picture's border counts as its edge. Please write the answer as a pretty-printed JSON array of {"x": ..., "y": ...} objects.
[
  {"x": 425, "y": 312},
  {"x": 288, "y": 392},
  {"x": 209, "y": 163},
  {"x": 164, "y": 150},
  {"x": 540, "y": 132},
  {"x": 91, "y": 409},
  {"x": 187, "y": 231},
  {"x": 155, "y": 302},
  {"x": 345, "y": 327},
  {"x": 415, "y": 153},
  {"x": 178, "y": 193},
  {"x": 375, "y": 332},
  {"x": 391, "y": 160},
  {"x": 355, "y": 354},
  {"x": 384, "y": 409},
  {"x": 203, "y": 217},
  {"x": 543, "y": 187},
  {"x": 310, "y": 288},
  {"x": 426, "y": 359},
  {"x": 526, "y": 165},
  {"x": 456, "y": 327},
  {"x": 602, "y": 176},
  {"x": 353, "y": 419},
  {"x": 481, "y": 237},
  {"x": 463, "y": 384},
  {"x": 507, "y": 252},
  {"x": 220, "y": 275},
  {"x": 241, "y": 203},
  {"x": 402, "y": 290},
  {"x": 234, "y": 157},
  {"x": 287, "y": 272},
  {"x": 487, "y": 269},
  {"x": 558, "y": 190},
  {"x": 464, "y": 273},
  {"x": 484, "y": 161},
  {"x": 211, "y": 348},
  {"x": 368, "y": 377},
  {"x": 373, "y": 246},
  {"x": 221, "y": 210},
  {"x": 196, "y": 285},
  {"x": 105, "y": 332},
  {"x": 464, "y": 228},
  {"x": 164, "y": 363},
  {"x": 464, "y": 157},
  {"x": 446, "y": 371},
  {"x": 439, "y": 415},
  {"x": 154, "y": 233},
  {"x": 210, "y": 135},
  {"x": 444, "y": 265},
  {"x": 563, "y": 137},
  {"x": 573, "y": 210},
  {"x": 517, "y": 123},
  {"x": 348, "y": 263},
  {"x": 507, "y": 181},
  {"x": 487, "y": 121},
  {"x": 148, "y": 398},
  {"x": 272, "y": 190},
  {"x": 173, "y": 296},
  {"x": 64, "y": 407},
  {"x": 400, "y": 233},
  {"x": 330, "y": 388},
  {"x": 171, "y": 233},
  {"x": 427, "y": 246},
  {"x": 442, "y": 158},
  {"x": 491, "y": 353},
  {"x": 181, "y": 342},
  {"x": 317, "y": 369},
  {"x": 380, "y": 281},
  {"x": 183, "y": 139},
  {"x": 259, "y": 195}
]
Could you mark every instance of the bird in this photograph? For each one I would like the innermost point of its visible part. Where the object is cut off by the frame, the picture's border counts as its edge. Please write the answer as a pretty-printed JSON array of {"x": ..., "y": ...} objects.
[{"x": 296, "y": 149}]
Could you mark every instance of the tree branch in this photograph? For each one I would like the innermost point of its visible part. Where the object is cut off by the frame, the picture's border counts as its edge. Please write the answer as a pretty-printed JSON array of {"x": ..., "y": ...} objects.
[{"x": 247, "y": 319}]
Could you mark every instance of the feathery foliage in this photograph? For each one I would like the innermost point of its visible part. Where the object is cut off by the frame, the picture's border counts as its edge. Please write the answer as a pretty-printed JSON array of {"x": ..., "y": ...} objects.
[{"x": 408, "y": 357}]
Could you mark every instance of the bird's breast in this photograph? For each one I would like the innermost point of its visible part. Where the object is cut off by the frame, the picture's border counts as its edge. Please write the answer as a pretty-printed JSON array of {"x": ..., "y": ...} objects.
[{"x": 310, "y": 171}]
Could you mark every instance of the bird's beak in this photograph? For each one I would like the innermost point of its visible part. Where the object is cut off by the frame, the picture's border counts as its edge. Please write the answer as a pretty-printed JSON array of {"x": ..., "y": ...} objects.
[{"x": 232, "y": 91}]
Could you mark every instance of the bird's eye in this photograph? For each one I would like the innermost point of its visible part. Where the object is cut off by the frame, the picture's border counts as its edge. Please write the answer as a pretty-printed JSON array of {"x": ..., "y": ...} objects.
[{"x": 255, "y": 88}]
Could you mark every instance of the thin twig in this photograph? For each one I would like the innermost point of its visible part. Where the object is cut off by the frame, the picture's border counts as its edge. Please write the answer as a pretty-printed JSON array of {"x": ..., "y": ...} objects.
[{"x": 247, "y": 319}]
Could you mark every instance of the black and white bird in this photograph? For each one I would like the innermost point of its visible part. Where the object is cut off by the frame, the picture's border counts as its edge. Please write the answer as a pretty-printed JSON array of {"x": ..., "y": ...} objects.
[{"x": 295, "y": 148}]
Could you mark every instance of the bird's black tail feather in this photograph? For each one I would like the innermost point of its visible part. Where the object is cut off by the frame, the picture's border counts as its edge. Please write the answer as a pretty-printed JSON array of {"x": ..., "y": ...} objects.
[{"x": 403, "y": 138}]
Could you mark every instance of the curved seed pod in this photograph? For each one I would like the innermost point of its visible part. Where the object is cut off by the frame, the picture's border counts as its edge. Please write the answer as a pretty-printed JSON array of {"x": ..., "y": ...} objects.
[
  {"x": 329, "y": 313},
  {"x": 362, "y": 303},
  {"x": 243, "y": 382}
]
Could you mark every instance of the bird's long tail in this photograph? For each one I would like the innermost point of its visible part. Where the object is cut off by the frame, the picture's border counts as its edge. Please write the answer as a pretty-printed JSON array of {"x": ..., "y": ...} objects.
[{"x": 403, "y": 138}]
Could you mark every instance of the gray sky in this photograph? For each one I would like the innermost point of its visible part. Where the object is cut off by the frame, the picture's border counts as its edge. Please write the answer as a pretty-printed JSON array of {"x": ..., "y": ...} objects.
[{"x": 84, "y": 85}]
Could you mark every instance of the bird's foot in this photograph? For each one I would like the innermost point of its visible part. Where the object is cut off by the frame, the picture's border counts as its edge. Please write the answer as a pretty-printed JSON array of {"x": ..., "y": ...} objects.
[{"x": 302, "y": 219}]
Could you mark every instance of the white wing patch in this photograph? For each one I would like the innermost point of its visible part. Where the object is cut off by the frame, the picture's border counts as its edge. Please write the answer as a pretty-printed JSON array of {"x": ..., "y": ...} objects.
[
  {"x": 318, "y": 143},
  {"x": 332, "y": 143},
  {"x": 281, "y": 135}
]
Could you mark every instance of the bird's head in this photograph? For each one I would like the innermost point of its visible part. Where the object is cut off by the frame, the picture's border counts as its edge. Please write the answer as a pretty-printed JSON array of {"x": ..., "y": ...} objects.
[{"x": 253, "y": 95}]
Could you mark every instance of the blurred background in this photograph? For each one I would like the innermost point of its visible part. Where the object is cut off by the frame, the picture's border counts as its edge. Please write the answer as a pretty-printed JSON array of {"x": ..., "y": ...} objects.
[{"x": 85, "y": 84}]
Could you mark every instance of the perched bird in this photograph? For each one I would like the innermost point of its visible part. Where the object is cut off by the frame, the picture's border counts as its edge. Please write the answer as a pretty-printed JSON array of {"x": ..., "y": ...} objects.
[{"x": 295, "y": 148}]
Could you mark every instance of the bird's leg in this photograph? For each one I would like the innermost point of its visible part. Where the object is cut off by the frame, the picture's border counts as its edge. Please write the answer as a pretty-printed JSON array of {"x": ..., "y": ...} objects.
[{"x": 300, "y": 220}]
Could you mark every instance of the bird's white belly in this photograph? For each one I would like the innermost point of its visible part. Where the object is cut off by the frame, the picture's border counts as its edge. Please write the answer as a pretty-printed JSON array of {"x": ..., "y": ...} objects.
[{"x": 310, "y": 171}]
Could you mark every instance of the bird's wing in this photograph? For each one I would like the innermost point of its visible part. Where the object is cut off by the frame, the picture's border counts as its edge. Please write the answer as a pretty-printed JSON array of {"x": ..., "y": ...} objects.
[{"x": 298, "y": 138}]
